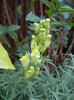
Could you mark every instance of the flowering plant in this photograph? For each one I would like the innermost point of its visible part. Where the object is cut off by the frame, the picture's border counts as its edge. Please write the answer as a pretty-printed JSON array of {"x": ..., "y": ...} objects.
[{"x": 39, "y": 44}]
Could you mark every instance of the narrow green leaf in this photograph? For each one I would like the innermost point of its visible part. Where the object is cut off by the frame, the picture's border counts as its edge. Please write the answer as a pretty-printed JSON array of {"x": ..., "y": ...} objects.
[
  {"x": 60, "y": 23},
  {"x": 66, "y": 10}
]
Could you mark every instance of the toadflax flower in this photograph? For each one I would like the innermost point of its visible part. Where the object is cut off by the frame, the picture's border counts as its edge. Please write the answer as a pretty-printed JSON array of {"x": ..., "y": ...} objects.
[
  {"x": 35, "y": 55},
  {"x": 47, "y": 41},
  {"x": 25, "y": 60},
  {"x": 42, "y": 34},
  {"x": 30, "y": 72}
]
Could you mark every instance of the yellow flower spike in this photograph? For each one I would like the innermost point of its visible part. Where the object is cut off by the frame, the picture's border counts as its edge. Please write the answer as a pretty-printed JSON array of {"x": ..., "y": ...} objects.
[
  {"x": 32, "y": 70},
  {"x": 25, "y": 60},
  {"x": 28, "y": 74},
  {"x": 35, "y": 55}
]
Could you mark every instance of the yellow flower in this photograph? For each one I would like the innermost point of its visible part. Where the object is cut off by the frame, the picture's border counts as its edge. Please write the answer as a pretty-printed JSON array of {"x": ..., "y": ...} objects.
[
  {"x": 42, "y": 34},
  {"x": 25, "y": 60},
  {"x": 35, "y": 55},
  {"x": 47, "y": 41}
]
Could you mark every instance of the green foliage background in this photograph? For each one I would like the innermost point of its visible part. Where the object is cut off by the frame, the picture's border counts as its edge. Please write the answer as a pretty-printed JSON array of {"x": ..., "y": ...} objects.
[{"x": 56, "y": 86}]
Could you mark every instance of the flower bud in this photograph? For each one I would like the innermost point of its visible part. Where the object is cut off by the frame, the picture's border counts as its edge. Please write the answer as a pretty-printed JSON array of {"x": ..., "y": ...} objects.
[
  {"x": 36, "y": 27},
  {"x": 42, "y": 21},
  {"x": 47, "y": 20},
  {"x": 32, "y": 70},
  {"x": 34, "y": 37}
]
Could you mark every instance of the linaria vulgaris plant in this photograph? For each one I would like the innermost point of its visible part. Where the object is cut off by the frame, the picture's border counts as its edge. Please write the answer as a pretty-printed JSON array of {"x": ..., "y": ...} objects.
[{"x": 39, "y": 44}]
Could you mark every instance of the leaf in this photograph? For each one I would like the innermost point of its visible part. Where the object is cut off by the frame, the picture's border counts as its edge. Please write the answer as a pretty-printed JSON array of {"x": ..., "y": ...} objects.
[
  {"x": 5, "y": 62},
  {"x": 32, "y": 4},
  {"x": 60, "y": 23},
  {"x": 65, "y": 10},
  {"x": 32, "y": 17},
  {"x": 66, "y": 15},
  {"x": 54, "y": 45},
  {"x": 64, "y": 7},
  {"x": 5, "y": 40},
  {"x": 7, "y": 29},
  {"x": 13, "y": 35},
  {"x": 19, "y": 10},
  {"x": 59, "y": 40}
]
